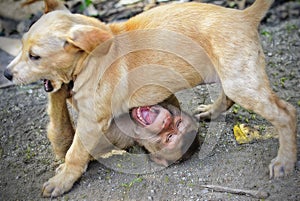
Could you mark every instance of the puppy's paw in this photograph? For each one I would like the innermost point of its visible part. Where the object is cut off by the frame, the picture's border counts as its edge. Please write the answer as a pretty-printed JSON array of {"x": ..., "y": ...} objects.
[
  {"x": 203, "y": 112},
  {"x": 61, "y": 183},
  {"x": 280, "y": 167}
]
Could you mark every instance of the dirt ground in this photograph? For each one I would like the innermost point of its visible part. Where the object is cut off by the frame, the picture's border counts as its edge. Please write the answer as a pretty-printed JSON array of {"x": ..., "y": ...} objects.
[{"x": 27, "y": 160}]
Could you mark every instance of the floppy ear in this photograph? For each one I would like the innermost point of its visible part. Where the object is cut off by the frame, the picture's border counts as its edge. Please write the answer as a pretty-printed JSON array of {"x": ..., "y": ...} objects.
[
  {"x": 87, "y": 38},
  {"x": 50, "y": 5}
]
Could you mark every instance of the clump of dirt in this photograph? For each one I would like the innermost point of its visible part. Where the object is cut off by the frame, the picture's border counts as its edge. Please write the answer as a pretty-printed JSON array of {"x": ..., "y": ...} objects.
[{"x": 27, "y": 160}]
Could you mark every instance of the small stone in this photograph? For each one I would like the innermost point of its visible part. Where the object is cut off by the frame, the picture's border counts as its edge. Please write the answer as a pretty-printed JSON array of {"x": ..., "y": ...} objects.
[
  {"x": 127, "y": 2},
  {"x": 91, "y": 11}
]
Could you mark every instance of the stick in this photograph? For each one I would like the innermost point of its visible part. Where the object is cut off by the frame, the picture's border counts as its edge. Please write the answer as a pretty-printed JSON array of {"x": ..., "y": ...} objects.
[
  {"x": 4, "y": 85},
  {"x": 254, "y": 193}
]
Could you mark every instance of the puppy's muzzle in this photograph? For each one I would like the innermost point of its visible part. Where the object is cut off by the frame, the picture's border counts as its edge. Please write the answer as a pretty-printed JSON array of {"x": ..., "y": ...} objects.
[{"x": 8, "y": 74}]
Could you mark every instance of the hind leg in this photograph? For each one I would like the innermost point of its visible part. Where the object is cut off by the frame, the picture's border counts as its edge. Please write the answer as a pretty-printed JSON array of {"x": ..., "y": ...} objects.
[{"x": 255, "y": 94}]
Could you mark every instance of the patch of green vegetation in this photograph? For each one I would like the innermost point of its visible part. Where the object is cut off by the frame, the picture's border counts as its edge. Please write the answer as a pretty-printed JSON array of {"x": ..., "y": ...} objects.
[
  {"x": 28, "y": 153},
  {"x": 275, "y": 74},
  {"x": 203, "y": 124},
  {"x": 167, "y": 179},
  {"x": 130, "y": 184},
  {"x": 83, "y": 197},
  {"x": 243, "y": 115},
  {"x": 236, "y": 108},
  {"x": 282, "y": 81},
  {"x": 108, "y": 177},
  {"x": 190, "y": 184},
  {"x": 182, "y": 182},
  {"x": 85, "y": 4},
  {"x": 267, "y": 34},
  {"x": 262, "y": 128},
  {"x": 298, "y": 103},
  {"x": 272, "y": 64},
  {"x": 45, "y": 161},
  {"x": 291, "y": 27}
]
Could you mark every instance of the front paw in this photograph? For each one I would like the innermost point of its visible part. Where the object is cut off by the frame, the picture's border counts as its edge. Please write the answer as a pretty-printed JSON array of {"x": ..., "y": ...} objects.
[
  {"x": 61, "y": 183},
  {"x": 281, "y": 166},
  {"x": 203, "y": 112}
]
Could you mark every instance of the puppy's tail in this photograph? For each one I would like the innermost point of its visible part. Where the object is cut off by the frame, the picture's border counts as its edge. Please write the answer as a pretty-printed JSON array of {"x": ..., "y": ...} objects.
[{"x": 258, "y": 10}]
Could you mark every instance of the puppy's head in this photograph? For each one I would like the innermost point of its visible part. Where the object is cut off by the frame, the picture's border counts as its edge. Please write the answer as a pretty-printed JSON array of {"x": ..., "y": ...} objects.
[{"x": 55, "y": 46}]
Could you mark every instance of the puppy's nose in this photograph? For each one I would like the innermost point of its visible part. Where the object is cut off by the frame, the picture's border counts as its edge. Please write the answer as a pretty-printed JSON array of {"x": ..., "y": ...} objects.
[{"x": 8, "y": 75}]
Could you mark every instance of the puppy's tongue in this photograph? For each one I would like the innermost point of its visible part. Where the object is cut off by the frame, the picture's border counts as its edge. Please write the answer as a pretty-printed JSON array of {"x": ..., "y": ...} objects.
[{"x": 48, "y": 86}]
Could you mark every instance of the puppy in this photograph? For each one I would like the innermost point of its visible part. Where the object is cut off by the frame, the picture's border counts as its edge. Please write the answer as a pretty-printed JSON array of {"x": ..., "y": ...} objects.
[{"x": 142, "y": 61}]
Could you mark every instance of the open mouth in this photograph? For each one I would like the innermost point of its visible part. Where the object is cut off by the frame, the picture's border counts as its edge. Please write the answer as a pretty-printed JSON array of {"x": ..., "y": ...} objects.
[
  {"x": 48, "y": 85},
  {"x": 145, "y": 115}
]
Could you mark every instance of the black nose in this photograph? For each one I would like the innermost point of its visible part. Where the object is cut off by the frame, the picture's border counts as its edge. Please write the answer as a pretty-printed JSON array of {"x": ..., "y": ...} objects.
[{"x": 8, "y": 75}]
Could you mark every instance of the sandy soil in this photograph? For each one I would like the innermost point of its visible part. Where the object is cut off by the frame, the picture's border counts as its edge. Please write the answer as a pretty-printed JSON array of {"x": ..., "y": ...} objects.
[{"x": 27, "y": 161}]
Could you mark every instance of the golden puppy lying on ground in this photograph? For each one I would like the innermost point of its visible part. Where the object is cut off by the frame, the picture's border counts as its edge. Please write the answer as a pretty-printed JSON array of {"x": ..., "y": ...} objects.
[{"x": 142, "y": 61}]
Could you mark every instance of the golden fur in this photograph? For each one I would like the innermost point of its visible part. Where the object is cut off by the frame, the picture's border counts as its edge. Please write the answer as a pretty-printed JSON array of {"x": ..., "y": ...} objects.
[{"x": 213, "y": 44}]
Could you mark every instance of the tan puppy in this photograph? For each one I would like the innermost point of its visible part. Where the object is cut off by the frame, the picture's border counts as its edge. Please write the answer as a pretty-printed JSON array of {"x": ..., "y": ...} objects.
[{"x": 186, "y": 44}]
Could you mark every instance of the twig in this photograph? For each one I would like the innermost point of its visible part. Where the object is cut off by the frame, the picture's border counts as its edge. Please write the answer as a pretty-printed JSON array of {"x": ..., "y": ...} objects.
[
  {"x": 4, "y": 85},
  {"x": 254, "y": 193}
]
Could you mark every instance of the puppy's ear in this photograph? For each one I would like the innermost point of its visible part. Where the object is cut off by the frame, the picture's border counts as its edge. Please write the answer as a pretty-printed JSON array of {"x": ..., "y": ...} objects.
[
  {"x": 50, "y": 5},
  {"x": 87, "y": 38}
]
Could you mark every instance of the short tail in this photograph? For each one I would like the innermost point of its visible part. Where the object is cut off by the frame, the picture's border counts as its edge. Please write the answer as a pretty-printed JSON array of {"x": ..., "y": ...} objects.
[{"x": 258, "y": 10}]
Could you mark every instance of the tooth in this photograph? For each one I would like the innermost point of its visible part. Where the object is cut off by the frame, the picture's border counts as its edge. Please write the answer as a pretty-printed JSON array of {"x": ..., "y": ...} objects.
[{"x": 139, "y": 115}]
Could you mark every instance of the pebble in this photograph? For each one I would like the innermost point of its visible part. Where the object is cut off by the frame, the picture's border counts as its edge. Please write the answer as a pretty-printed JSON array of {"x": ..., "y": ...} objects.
[
  {"x": 204, "y": 191},
  {"x": 126, "y": 2},
  {"x": 91, "y": 11}
]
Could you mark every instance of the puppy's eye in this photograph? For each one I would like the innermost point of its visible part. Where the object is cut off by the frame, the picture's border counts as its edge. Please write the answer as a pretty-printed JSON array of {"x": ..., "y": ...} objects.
[{"x": 33, "y": 57}]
